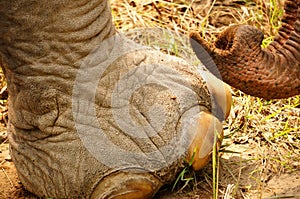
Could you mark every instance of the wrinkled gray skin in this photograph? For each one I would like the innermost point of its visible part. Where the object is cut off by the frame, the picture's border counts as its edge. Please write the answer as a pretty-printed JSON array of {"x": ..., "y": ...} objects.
[{"x": 43, "y": 44}]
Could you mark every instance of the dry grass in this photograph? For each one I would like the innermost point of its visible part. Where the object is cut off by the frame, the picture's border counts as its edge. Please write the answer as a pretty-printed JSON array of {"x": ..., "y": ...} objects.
[
  {"x": 206, "y": 16},
  {"x": 262, "y": 137}
]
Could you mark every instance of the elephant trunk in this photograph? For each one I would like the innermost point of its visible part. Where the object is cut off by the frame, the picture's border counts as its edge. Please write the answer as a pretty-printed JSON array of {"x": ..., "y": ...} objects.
[{"x": 269, "y": 73}]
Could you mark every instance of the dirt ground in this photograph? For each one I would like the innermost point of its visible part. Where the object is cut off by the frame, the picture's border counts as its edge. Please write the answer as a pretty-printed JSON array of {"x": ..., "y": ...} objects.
[{"x": 261, "y": 149}]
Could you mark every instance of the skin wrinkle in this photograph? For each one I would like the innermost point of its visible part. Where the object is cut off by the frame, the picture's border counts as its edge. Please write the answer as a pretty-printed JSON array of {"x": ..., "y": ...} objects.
[
  {"x": 41, "y": 158},
  {"x": 78, "y": 164},
  {"x": 17, "y": 57},
  {"x": 87, "y": 13},
  {"x": 80, "y": 36},
  {"x": 156, "y": 146},
  {"x": 60, "y": 85},
  {"x": 293, "y": 44},
  {"x": 76, "y": 4},
  {"x": 131, "y": 138},
  {"x": 52, "y": 120},
  {"x": 293, "y": 41},
  {"x": 25, "y": 50},
  {"x": 134, "y": 141},
  {"x": 48, "y": 164},
  {"x": 149, "y": 122},
  {"x": 286, "y": 28},
  {"x": 49, "y": 138},
  {"x": 158, "y": 134},
  {"x": 58, "y": 113},
  {"x": 27, "y": 58},
  {"x": 23, "y": 175},
  {"x": 21, "y": 159},
  {"x": 114, "y": 125},
  {"x": 40, "y": 111},
  {"x": 284, "y": 55},
  {"x": 161, "y": 138}
]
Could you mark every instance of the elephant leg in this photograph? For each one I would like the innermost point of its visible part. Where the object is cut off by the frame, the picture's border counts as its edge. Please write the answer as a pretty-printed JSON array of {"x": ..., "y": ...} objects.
[{"x": 132, "y": 186}]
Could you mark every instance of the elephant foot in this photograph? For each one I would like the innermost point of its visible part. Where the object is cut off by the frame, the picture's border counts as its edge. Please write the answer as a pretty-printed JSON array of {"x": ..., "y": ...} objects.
[
  {"x": 207, "y": 132},
  {"x": 127, "y": 185}
]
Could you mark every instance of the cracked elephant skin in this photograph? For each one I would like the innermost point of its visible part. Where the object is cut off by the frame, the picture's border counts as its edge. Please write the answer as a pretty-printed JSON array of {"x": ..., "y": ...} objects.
[{"x": 95, "y": 115}]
